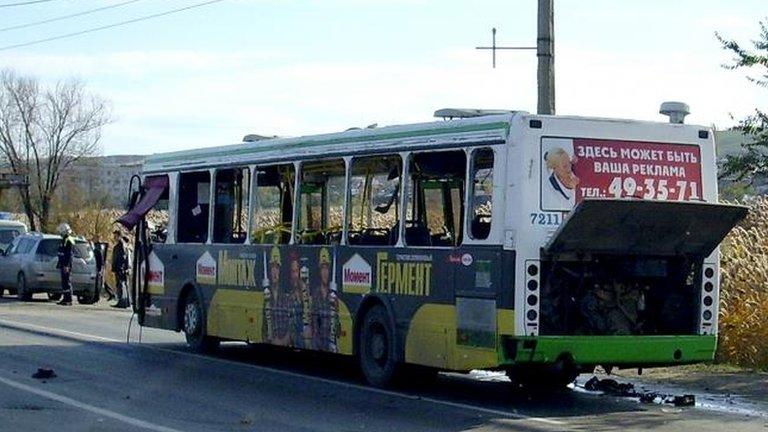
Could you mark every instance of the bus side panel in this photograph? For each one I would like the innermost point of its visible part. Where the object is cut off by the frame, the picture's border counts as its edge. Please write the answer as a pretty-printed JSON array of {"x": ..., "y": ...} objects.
[
  {"x": 449, "y": 305},
  {"x": 171, "y": 268},
  {"x": 445, "y": 301}
]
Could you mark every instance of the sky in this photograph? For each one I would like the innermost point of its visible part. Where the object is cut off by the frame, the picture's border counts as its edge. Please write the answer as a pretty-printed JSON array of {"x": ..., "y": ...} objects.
[{"x": 210, "y": 75}]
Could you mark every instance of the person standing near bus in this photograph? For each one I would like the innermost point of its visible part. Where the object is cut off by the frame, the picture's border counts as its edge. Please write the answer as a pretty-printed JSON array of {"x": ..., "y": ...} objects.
[
  {"x": 100, "y": 256},
  {"x": 120, "y": 265},
  {"x": 66, "y": 252}
]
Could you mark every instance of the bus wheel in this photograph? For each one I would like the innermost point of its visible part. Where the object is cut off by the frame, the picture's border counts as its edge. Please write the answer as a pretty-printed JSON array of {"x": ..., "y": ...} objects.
[
  {"x": 194, "y": 327},
  {"x": 377, "y": 348}
]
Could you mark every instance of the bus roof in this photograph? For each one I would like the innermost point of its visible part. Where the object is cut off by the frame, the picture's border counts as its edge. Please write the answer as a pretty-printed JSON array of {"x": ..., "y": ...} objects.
[{"x": 491, "y": 129}]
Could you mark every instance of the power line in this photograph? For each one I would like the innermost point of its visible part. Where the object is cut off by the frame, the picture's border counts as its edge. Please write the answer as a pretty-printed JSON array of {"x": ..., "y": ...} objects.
[
  {"x": 118, "y": 24},
  {"x": 90, "y": 11},
  {"x": 23, "y": 3}
]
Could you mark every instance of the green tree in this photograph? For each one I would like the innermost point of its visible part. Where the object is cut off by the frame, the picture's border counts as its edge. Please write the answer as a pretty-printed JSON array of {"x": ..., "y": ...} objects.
[{"x": 753, "y": 160}]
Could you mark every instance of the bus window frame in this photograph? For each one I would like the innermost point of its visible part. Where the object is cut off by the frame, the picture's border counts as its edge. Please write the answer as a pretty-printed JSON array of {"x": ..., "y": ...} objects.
[
  {"x": 348, "y": 210},
  {"x": 176, "y": 201},
  {"x": 254, "y": 199},
  {"x": 214, "y": 186},
  {"x": 404, "y": 191},
  {"x": 173, "y": 192},
  {"x": 173, "y": 206},
  {"x": 347, "y": 197},
  {"x": 211, "y": 203},
  {"x": 405, "y": 155},
  {"x": 469, "y": 209},
  {"x": 296, "y": 200},
  {"x": 326, "y": 201},
  {"x": 252, "y": 195},
  {"x": 497, "y": 198},
  {"x": 405, "y": 160}
]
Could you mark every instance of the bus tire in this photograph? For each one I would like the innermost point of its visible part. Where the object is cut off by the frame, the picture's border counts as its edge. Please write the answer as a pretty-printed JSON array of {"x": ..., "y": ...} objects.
[
  {"x": 377, "y": 348},
  {"x": 194, "y": 328}
]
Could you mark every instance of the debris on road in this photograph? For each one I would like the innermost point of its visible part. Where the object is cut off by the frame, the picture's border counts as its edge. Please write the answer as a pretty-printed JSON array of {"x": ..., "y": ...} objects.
[
  {"x": 615, "y": 388},
  {"x": 43, "y": 373}
]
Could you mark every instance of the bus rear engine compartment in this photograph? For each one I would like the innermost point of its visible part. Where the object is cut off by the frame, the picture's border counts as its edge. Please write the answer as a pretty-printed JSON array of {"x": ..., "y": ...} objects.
[
  {"x": 631, "y": 267},
  {"x": 620, "y": 295}
]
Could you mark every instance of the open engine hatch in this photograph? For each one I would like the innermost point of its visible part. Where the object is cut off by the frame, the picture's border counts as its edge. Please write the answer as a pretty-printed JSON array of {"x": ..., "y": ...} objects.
[{"x": 637, "y": 227}]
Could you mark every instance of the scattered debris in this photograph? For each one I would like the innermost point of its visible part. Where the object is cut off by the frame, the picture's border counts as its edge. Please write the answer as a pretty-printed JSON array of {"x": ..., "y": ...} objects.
[
  {"x": 43, "y": 373},
  {"x": 24, "y": 407},
  {"x": 615, "y": 388},
  {"x": 684, "y": 400},
  {"x": 610, "y": 386}
]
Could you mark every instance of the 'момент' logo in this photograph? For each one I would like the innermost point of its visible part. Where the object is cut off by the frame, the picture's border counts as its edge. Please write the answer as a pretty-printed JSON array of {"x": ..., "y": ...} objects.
[
  {"x": 356, "y": 275},
  {"x": 205, "y": 269}
]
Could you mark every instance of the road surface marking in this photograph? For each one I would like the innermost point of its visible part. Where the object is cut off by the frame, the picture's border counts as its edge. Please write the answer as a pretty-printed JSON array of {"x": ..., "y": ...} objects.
[
  {"x": 94, "y": 338},
  {"x": 86, "y": 407}
]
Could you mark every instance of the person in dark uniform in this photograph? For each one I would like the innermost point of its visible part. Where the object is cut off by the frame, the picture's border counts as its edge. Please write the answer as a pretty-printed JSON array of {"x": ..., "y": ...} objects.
[
  {"x": 66, "y": 251},
  {"x": 121, "y": 263}
]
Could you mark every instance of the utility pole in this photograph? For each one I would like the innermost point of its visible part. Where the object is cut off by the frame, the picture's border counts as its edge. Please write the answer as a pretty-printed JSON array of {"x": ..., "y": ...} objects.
[{"x": 545, "y": 51}]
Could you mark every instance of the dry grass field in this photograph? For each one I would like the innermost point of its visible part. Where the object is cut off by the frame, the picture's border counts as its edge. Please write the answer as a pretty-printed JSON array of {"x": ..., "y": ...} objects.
[{"x": 744, "y": 290}]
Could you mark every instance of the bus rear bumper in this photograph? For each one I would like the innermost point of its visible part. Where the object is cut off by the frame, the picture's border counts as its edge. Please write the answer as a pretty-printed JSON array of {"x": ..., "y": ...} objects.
[{"x": 623, "y": 351}]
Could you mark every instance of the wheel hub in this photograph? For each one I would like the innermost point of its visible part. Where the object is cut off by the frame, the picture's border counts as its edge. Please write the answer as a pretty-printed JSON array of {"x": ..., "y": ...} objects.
[
  {"x": 191, "y": 319},
  {"x": 378, "y": 347}
]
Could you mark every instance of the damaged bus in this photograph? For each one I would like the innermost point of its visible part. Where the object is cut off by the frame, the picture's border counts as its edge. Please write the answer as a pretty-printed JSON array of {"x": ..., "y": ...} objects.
[{"x": 542, "y": 246}]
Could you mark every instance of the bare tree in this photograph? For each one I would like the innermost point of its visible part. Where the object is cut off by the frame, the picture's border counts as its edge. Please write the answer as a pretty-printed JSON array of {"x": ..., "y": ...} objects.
[{"x": 43, "y": 131}]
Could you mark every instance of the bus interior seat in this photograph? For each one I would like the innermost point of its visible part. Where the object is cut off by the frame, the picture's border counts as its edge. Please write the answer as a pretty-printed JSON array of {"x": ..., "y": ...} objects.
[
  {"x": 375, "y": 236},
  {"x": 311, "y": 237},
  {"x": 354, "y": 237},
  {"x": 333, "y": 238},
  {"x": 444, "y": 238},
  {"x": 238, "y": 237},
  {"x": 417, "y": 234},
  {"x": 481, "y": 226}
]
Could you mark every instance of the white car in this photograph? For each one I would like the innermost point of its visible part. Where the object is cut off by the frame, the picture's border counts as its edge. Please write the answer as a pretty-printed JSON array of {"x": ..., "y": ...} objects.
[
  {"x": 28, "y": 266},
  {"x": 9, "y": 230}
]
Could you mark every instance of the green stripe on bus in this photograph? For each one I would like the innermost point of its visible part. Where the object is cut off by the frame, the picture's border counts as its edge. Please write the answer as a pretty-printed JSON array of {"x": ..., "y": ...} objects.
[
  {"x": 257, "y": 148},
  {"x": 617, "y": 350}
]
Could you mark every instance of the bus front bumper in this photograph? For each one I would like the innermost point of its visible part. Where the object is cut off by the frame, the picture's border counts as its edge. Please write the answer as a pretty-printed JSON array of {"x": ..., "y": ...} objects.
[{"x": 624, "y": 351}]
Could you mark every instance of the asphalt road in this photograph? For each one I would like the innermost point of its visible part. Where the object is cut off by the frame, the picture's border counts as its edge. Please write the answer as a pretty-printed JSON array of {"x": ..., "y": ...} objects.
[{"x": 104, "y": 383}]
